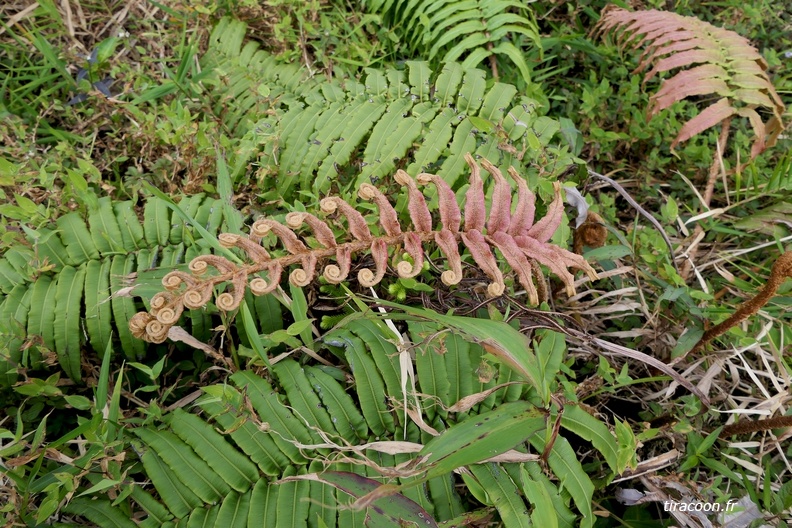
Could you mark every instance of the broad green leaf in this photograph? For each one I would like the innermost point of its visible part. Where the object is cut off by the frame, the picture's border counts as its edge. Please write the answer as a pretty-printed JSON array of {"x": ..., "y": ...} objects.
[
  {"x": 550, "y": 352},
  {"x": 285, "y": 426},
  {"x": 565, "y": 465},
  {"x": 481, "y": 437},
  {"x": 551, "y": 498},
  {"x": 607, "y": 253},
  {"x": 263, "y": 504},
  {"x": 628, "y": 446},
  {"x": 504, "y": 495},
  {"x": 577, "y": 420},
  {"x": 233, "y": 512}
]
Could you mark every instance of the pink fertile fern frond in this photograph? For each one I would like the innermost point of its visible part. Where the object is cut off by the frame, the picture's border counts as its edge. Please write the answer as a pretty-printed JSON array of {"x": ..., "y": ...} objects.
[
  {"x": 723, "y": 63},
  {"x": 521, "y": 241}
]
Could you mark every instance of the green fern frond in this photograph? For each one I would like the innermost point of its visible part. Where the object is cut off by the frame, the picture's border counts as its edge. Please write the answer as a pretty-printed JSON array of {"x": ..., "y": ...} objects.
[
  {"x": 79, "y": 298},
  {"x": 307, "y": 134},
  {"x": 472, "y": 31},
  {"x": 252, "y": 459}
]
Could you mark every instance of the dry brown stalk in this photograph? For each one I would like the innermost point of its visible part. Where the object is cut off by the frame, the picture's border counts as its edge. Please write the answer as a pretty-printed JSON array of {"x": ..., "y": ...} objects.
[
  {"x": 521, "y": 241},
  {"x": 755, "y": 426},
  {"x": 782, "y": 269}
]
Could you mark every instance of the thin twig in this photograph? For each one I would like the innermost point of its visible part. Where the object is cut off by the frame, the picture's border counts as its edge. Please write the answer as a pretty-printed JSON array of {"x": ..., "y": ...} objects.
[
  {"x": 640, "y": 209},
  {"x": 608, "y": 348}
]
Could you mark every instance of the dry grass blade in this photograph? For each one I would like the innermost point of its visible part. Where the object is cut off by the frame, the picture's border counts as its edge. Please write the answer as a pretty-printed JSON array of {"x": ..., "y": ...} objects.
[
  {"x": 641, "y": 210},
  {"x": 594, "y": 344}
]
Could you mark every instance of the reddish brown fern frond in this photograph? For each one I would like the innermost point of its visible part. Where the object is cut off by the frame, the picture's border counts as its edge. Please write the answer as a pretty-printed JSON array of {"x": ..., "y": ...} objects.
[
  {"x": 515, "y": 235},
  {"x": 781, "y": 271},
  {"x": 726, "y": 65}
]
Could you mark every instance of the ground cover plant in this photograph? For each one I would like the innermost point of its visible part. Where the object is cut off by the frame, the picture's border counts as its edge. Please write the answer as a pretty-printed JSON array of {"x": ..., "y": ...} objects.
[{"x": 394, "y": 264}]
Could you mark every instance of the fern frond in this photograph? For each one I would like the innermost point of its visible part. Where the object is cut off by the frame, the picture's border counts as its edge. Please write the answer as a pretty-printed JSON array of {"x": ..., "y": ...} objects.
[
  {"x": 236, "y": 464},
  {"x": 66, "y": 290},
  {"x": 474, "y": 30},
  {"x": 516, "y": 236},
  {"x": 315, "y": 134},
  {"x": 723, "y": 64}
]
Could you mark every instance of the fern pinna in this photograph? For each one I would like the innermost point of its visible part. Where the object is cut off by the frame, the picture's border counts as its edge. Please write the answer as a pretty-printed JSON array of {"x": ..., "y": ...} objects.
[
  {"x": 476, "y": 29},
  {"x": 727, "y": 65},
  {"x": 520, "y": 240},
  {"x": 270, "y": 451}
]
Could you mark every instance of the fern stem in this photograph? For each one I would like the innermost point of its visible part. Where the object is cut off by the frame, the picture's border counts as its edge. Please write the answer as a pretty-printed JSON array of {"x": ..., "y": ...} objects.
[{"x": 782, "y": 269}]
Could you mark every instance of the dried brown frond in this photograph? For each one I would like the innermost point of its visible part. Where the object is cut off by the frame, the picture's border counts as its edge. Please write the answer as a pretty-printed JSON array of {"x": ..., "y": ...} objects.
[{"x": 521, "y": 241}]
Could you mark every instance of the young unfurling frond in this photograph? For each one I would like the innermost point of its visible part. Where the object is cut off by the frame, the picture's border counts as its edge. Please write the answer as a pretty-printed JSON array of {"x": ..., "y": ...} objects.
[{"x": 521, "y": 241}]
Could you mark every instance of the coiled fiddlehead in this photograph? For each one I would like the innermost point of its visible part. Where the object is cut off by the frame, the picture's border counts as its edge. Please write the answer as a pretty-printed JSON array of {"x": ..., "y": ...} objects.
[{"x": 521, "y": 241}]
